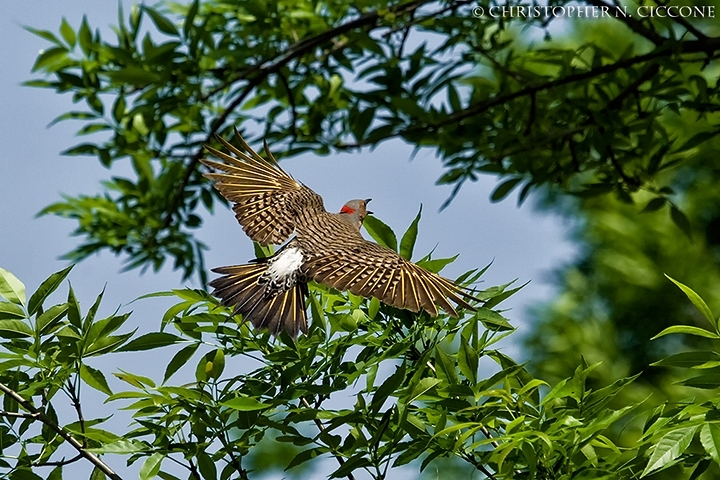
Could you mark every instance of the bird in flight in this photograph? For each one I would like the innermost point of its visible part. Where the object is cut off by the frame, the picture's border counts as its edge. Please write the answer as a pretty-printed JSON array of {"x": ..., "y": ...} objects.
[{"x": 327, "y": 248}]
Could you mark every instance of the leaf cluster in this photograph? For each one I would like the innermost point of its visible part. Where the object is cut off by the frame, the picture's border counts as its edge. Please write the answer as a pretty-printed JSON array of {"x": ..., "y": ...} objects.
[{"x": 586, "y": 117}]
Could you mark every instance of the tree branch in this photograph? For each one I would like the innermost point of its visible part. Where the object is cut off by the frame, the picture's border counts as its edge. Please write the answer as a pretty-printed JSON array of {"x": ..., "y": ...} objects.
[
  {"x": 261, "y": 71},
  {"x": 18, "y": 415},
  {"x": 633, "y": 24},
  {"x": 40, "y": 415},
  {"x": 62, "y": 462},
  {"x": 687, "y": 25},
  {"x": 695, "y": 46}
]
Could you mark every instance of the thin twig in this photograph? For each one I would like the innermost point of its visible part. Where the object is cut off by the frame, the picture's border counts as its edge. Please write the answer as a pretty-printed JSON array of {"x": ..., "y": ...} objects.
[
  {"x": 291, "y": 100},
  {"x": 59, "y": 463},
  {"x": 41, "y": 416},
  {"x": 75, "y": 397},
  {"x": 471, "y": 459},
  {"x": 193, "y": 469},
  {"x": 18, "y": 415}
]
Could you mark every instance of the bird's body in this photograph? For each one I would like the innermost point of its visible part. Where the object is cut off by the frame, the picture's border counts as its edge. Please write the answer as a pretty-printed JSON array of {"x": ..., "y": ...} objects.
[{"x": 327, "y": 248}]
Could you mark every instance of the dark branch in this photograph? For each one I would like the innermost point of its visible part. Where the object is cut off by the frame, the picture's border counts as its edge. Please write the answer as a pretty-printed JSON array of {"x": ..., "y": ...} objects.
[
  {"x": 633, "y": 24},
  {"x": 18, "y": 415},
  {"x": 471, "y": 459},
  {"x": 696, "y": 46},
  {"x": 59, "y": 463},
  {"x": 40, "y": 415},
  {"x": 687, "y": 25},
  {"x": 291, "y": 100}
]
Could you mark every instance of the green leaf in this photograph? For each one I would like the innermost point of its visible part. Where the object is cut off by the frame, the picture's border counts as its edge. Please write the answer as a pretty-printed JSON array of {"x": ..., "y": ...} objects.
[
  {"x": 423, "y": 386},
  {"x": 305, "y": 456},
  {"x": 16, "y": 326},
  {"x": 438, "y": 264},
  {"x": 701, "y": 359},
  {"x": 687, "y": 329},
  {"x": 162, "y": 23},
  {"x": 97, "y": 474},
  {"x": 151, "y": 467},
  {"x": 137, "y": 381},
  {"x": 697, "y": 140},
  {"x": 22, "y": 474},
  {"x": 74, "y": 315},
  {"x": 121, "y": 446},
  {"x": 380, "y": 232},
  {"x": 698, "y": 302},
  {"x": 468, "y": 361},
  {"x": 94, "y": 378},
  {"x": 710, "y": 439},
  {"x": 46, "y": 288},
  {"x": 49, "y": 57},
  {"x": 387, "y": 388},
  {"x": 708, "y": 381},
  {"x": 11, "y": 289},
  {"x": 655, "y": 204},
  {"x": 50, "y": 318},
  {"x": 445, "y": 366},
  {"x": 356, "y": 462},
  {"x": 681, "y": 221},
  {"x": 67, "y": 33},
  {"x": 190, "y": 17},
  {"x": 207, "y": 467},
  {"x": 670, "y": 447},
  {"x": 407, "y": 244},
  {"x": 504, "y": 189},
  {"x": 85, "y": 36},
  {"x": 492, "y": 320},
  {"x": 44, "y": 34},
  {"x": 150, "y": 341},
  {"x": 245, "y": 404},
  {"x": 180, "y": 359},
  {"x": 11, "y": 311},
  {"x": 137, "y": 77},
  {"x": 56, "y": 473}
]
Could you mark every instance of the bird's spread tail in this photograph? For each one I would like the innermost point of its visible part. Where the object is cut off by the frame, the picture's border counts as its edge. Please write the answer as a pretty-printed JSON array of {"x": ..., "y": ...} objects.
[{"x": 239, "y": 287}]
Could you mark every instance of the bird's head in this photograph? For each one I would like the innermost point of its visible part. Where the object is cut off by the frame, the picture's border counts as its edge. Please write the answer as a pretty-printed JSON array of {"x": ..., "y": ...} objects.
[{"x": 356, "y": 211}]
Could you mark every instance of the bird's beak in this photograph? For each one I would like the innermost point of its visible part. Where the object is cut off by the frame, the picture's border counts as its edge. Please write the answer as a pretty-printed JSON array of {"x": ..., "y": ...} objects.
[{"x": 367, "y": 200}]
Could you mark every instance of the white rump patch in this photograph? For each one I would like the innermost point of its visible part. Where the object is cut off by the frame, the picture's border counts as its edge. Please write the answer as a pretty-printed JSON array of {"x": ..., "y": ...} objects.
[{"x": 287, "y": 263}]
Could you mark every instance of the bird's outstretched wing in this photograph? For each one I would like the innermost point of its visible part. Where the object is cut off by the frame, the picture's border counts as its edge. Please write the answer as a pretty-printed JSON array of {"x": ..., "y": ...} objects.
[
  {"x": 266, "y": 200},
  {"x": 371, "y": 270}
]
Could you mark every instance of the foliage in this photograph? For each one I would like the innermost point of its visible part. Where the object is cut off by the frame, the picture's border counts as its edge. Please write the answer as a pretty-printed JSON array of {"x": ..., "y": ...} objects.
[
  {"x": 614, "y": 297},
  {"x": 590, "y": 117},
  {"x": 585, "y": 116},
  {"x": 422, "y": 387}
]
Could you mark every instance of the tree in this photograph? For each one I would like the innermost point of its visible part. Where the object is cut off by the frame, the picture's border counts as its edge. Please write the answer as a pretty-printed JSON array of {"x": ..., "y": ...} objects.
[{"x": 573, "y": 115}]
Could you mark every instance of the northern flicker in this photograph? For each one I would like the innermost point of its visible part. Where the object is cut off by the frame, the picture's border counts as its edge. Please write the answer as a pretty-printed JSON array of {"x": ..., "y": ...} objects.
[{"x": 327, "y": 247}]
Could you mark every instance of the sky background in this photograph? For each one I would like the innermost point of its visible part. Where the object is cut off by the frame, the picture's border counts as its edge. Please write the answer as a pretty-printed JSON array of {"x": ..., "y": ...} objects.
[{"x": 522, "y": 242}]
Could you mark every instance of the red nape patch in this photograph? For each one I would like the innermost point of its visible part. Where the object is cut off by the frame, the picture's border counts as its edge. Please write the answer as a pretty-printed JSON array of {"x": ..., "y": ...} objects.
[{"x": 346, "y": 209}]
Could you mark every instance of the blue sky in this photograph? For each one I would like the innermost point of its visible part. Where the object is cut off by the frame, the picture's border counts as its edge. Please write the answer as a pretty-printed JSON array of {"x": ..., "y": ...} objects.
[{"x": 523, "y": 243}]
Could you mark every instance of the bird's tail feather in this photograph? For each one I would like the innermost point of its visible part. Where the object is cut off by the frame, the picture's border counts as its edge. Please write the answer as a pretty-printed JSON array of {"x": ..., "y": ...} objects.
[{"x": 239, "y": 287}]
